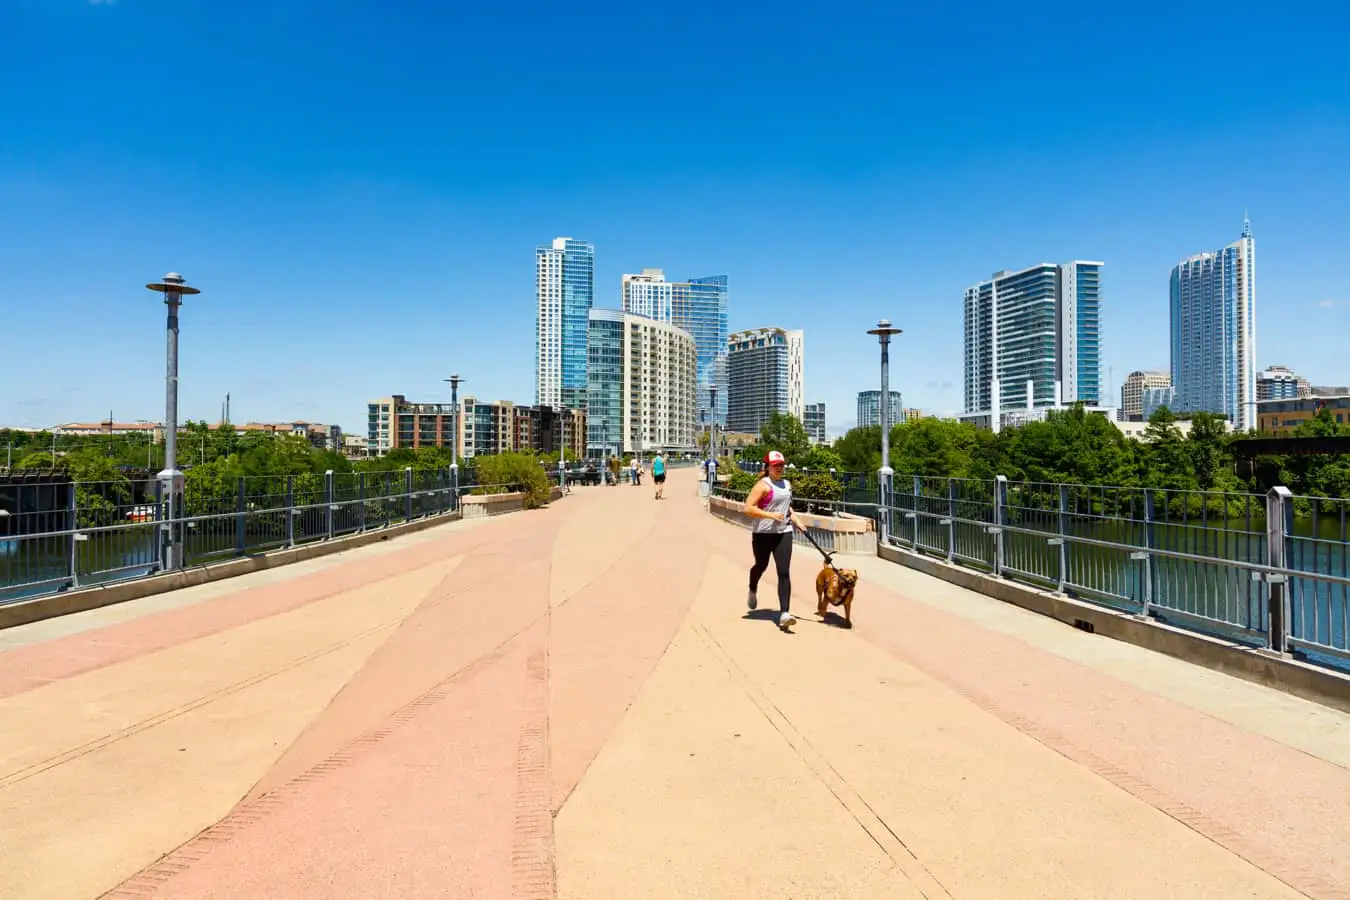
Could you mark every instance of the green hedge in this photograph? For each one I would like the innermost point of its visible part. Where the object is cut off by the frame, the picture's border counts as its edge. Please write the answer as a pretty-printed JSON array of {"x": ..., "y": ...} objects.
[{"x": 519, "y": 470}]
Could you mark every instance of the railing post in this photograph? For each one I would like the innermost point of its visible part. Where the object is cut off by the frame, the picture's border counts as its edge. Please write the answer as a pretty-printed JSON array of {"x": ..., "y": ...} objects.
[
  {"x": 917, "y": 485},
  {"x": 408, "y": 489},
  {"x": 328, "y": 501},
  {"x": 1150, "y": 542},
  {"x": 290, "y": 510},
  {"x": 1279, "y": 523},
  {"x": 361, "y": 496},
  {"x": 951, "y": 519},
  {"x": 241, "y": 519},
  {"x": 1000, "y": 517},
  {"x": 160, "y": 535},
  {"x": 73, "y": 505},
  {"x": 454, "y": 487},
  {"x": 1063, "y": 539}
]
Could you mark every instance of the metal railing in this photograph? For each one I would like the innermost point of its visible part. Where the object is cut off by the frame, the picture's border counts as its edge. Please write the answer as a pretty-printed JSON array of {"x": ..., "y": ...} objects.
[
  {"x": 1268, "y": 571},
  {"x": 84, "y": 534}
]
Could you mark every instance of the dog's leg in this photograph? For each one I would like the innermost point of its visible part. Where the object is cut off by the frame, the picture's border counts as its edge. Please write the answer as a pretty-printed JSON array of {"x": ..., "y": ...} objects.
[
  {"x": 848, "y": 609},
  {"x": 820, "y": 599}
]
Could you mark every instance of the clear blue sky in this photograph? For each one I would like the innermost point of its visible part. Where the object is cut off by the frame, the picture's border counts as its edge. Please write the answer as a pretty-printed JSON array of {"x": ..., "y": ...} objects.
[{"x": 358, "y": 188}]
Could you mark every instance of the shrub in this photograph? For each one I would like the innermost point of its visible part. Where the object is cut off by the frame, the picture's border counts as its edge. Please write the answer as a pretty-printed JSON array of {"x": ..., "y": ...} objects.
[
  {"x": 815, "y": 486},
  {"x": 520, "y": 471}
]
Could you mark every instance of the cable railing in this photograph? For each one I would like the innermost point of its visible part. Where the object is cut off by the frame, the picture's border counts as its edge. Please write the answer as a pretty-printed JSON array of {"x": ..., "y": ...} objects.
[
  {"x": 57, "y": 537},
  {"x": 1269, "y": 571}
]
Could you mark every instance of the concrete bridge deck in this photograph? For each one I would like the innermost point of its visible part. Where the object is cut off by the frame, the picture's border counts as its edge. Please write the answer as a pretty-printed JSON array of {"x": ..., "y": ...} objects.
[{"x": 573, "y": 703}]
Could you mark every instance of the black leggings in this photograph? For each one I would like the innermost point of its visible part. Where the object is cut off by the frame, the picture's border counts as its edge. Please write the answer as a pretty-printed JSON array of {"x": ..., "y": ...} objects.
[{"x": 778, "y": 546}]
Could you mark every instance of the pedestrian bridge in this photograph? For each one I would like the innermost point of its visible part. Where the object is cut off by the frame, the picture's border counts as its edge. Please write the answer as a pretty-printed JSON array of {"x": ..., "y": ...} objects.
[{"x": 574, "y": 702}]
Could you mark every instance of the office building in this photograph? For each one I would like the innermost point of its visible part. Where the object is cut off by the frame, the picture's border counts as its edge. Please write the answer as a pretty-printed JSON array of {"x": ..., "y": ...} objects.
[
  {"x": 1282, "y": 417},
  {"x": 1032, "y": 343},
  {"x": 1281, "y": 383},
  {"x": 565, "y": 276},
  {"x": 1132, "y": 393},
  {"x": 642, "y": 377},
  {"x": 1213, "y": 312},
  {"x": 815, "y": 422},
  {"x": 764, "y": 376},
  {"x": 869, "y": 408},
  {"x": 393, "y": 423},
  {"x": 699, "y": 306}
]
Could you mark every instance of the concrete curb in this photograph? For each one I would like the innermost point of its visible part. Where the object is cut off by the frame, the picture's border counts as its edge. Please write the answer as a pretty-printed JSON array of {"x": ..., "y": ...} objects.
[
  {"x": 1260, "y": 666},
  {"x": 49, "y": 606}
]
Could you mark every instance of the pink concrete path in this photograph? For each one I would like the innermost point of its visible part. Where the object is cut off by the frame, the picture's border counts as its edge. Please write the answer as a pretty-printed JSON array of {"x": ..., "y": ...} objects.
[{"x": 571, "y": 702}]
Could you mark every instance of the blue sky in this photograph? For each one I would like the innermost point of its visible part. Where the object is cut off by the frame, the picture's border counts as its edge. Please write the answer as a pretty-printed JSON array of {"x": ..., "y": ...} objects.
[{"x": 358, "y": 191}]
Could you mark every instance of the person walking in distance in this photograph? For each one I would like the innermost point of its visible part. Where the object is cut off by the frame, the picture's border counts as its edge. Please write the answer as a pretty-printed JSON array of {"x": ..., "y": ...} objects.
[
  {"x": 659, "y": 474},
  {"x": 769, "y": 504}
]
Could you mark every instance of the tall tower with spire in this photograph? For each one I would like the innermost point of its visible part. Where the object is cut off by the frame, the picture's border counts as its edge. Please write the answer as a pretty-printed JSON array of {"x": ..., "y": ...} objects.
[{"x": 1213, "y": 312}]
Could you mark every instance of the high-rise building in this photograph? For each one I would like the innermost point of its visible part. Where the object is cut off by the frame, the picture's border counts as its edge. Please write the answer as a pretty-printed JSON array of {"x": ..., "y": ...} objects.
[
  {"x": 1281, "y": 383},
  {"x": 815, "y": 422},
  {"x": 869, "y": 408},
  {"x": 1152, "y": 399},
  {"x": 764, "y": 376},
  {"x": 648, "y": 294},
  {"x": 642, "y": 375},
  {"x": 1033, "y": 342},
  {"x": 1213, "y": 310},
  {"x": 1132, "y": 393},
  {"x": 699, "y": 306},
  {"x": 565, "y": 274}
]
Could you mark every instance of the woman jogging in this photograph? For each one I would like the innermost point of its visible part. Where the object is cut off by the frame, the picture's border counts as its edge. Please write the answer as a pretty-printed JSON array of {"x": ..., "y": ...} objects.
[{"x": 770, "y": 506}]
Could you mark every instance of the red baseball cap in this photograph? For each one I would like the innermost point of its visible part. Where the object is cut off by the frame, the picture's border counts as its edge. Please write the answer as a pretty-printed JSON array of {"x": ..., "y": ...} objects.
[{"x": 773, "y": 457}]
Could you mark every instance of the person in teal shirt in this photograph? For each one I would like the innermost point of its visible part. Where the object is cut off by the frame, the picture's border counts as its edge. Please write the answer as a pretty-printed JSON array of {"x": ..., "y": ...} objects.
[{"x": 659, "y": 474}]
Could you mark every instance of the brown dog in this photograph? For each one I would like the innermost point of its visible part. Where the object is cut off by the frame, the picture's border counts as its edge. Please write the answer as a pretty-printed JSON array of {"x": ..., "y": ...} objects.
[{"x": 834, "y": 587}]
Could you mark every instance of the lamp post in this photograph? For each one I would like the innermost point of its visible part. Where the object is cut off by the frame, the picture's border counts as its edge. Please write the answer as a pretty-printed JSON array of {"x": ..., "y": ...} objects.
[
  {"x": 884, "y": 331},
  {"x": 174, "y": 287},
  {"x": 454, "y": 381}
]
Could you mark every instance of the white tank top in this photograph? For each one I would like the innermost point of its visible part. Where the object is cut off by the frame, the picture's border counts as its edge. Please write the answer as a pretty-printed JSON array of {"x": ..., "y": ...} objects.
[{"x": 777, "y": 500}]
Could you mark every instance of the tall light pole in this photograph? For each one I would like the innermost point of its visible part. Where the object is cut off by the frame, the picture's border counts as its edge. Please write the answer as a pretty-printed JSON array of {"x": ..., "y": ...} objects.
[
  {"x": 453, "y": 381},
  {"x": 174, "y": 288},
  {"x": 884, "y": 331}
]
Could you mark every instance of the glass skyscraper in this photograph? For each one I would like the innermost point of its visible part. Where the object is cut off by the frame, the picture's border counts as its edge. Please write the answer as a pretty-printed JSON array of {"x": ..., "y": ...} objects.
[
  {"x": 605, "y": 384},
  {"x": 1213, "y": 308},
  {"x": 1033, "y": 340},
  {"x": 565, "y": 275},
  {"x": 700, "y": 308},
  {"x": 869, "y": 408}
]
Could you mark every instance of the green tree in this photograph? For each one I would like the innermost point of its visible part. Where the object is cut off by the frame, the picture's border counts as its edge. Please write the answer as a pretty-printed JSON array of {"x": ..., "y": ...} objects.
[{"x": 785, "y": 433}]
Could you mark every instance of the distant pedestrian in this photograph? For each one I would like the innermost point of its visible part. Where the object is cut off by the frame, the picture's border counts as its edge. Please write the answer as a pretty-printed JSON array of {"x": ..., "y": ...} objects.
[
  {"x": 769, "y": 504},
  {"x": 659, "y": 474}
]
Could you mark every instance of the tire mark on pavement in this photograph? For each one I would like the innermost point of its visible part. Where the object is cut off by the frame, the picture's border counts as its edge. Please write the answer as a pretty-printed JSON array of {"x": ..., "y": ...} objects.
[
  {"x": 533, "y": 873},
  {"x": 907, "y": 864}
]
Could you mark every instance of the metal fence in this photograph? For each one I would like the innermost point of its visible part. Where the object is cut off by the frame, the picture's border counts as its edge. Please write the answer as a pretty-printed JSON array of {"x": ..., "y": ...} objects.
[
  {"x": 1268, "y": 571},
  {"x": 71, "y": 535}
]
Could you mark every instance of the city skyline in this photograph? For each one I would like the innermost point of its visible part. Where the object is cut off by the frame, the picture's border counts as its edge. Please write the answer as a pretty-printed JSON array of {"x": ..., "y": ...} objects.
[{"x": 323, "y": 218}]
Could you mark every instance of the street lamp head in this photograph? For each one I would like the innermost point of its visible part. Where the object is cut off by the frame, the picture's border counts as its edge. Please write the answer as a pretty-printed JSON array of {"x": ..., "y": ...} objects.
[
  {"x": 884, "y": 329},
  {"x": 454, "y": 380},
  {"x": 173, "y": 283}
]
